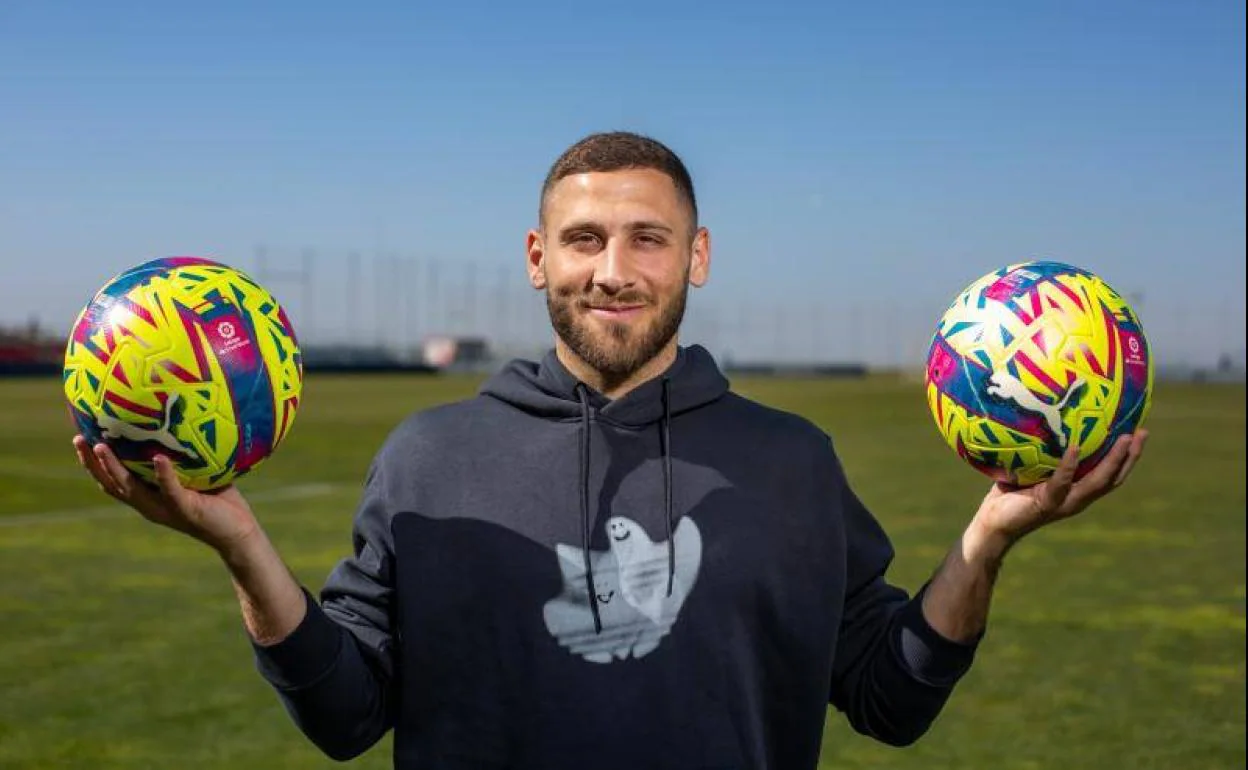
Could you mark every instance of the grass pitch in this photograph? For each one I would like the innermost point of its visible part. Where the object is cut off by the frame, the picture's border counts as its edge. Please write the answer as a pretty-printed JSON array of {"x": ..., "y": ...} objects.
[{"x": 1116, "y": 639}]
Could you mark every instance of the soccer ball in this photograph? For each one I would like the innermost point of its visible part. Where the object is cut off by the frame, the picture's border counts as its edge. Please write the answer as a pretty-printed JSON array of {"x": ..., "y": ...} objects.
[
  {"x": 189, "y": 358},
  {"x": 1030, "y": 359}
]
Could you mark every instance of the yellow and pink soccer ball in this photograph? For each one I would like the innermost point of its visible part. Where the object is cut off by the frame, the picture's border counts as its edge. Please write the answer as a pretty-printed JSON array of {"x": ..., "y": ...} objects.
[
  {"x": 186, "y": 357},
  {"x": 1032, "y": 358}
]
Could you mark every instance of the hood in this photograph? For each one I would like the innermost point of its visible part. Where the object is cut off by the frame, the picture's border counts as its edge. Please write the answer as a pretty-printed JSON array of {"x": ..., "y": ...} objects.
[{"x": 547, "y": 389}]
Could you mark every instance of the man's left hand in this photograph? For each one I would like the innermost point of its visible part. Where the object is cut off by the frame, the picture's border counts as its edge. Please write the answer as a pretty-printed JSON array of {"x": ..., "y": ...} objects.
[{"x": 1008, "y": 513}]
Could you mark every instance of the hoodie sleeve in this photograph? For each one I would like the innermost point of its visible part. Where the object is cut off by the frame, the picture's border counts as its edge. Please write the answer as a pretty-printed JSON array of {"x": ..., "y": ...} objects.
[
  {"x": 333, "y": 672},
  {"x": 893, "y": 672}
]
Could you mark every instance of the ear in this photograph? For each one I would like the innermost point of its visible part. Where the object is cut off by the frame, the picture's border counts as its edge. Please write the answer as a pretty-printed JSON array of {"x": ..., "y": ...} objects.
[
  {"x": 700, "y": 263},
  {"x": 535, "y": 250}
]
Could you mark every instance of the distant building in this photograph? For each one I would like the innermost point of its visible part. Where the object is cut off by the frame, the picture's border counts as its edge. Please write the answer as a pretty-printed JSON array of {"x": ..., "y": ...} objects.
[
  {"x": 445, "y": 352},
  {"x": 29, "y": 350}
]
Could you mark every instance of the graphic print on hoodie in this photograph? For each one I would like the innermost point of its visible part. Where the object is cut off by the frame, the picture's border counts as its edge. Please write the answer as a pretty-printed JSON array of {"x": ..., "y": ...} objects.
[{"x": 630, "y": 585}]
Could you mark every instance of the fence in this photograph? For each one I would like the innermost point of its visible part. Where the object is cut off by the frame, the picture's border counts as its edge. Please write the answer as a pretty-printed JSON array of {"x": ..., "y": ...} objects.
[
  {"x": 390, "y": 301},
  {"x": 393, "y": 301}
]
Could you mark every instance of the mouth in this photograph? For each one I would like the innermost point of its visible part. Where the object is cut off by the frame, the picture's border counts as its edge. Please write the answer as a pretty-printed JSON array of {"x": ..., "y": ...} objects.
[
  {"x": 604, "y": 598},
  {"x": 621, "y": 537},
  {"x": 615, "y": 312}
]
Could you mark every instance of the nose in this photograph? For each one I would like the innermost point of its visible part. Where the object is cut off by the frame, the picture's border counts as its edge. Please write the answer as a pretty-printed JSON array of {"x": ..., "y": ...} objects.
[{"x": 612, "y": 273}]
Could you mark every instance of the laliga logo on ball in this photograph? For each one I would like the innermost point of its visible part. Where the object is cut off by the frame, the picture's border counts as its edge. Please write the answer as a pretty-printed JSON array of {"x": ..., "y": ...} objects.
[{"x": 229, "y": 338}]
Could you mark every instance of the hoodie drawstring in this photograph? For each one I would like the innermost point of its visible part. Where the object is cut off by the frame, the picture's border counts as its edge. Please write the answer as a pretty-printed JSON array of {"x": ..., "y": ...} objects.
[
  {"x": 589, "y": 570},
  {"x": 665, "y": 438},
  {"x": 667, "y": 482}
]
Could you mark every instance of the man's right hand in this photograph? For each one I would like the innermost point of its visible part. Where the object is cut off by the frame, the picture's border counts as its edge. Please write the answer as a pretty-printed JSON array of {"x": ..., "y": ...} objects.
[
  {"x": 271, "y": 600},
  {"x": 221, "y": 519}
]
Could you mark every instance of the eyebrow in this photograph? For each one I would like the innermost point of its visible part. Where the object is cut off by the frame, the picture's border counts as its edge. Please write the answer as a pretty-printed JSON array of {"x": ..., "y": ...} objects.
[{"x": 632, "y": 226}]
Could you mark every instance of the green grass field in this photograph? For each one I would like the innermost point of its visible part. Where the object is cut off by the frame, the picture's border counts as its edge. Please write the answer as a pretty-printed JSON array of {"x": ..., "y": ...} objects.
[{"x": 1116, "y": 641}]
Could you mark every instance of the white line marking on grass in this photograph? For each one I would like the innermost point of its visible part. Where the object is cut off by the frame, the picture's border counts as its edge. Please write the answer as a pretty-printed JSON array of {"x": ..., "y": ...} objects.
[{"x": 293, "y": 492}]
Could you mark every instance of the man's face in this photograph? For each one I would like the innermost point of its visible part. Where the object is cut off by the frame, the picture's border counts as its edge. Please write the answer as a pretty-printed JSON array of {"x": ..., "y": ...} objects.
[{"x": 616, "y": 255}]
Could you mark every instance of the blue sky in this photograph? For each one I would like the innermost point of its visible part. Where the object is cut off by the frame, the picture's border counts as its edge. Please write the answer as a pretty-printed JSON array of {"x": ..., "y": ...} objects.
[{"x": 857, "y": 164}]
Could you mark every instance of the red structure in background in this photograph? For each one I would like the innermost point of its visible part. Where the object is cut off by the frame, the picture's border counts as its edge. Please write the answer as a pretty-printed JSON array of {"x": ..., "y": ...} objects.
[{"x": 27, "y": 350}]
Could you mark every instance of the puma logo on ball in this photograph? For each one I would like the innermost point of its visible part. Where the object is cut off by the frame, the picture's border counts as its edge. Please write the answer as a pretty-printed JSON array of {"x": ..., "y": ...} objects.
[
  {"x": 114, "y": 428},
  {"x": 1007, "y": 387}
]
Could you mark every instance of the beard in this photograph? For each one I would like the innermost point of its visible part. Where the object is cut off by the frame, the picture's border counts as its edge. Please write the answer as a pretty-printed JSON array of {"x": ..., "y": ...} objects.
[{"x": 615, "y": 350}]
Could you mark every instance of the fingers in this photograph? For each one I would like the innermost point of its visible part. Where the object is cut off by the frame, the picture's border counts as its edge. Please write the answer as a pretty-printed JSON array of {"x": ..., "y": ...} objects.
[
  {"x": 129, "y": 489},
  {"x": 1101, "y": 479},
  {"x": 88, "y": 460},
  {"x": 118, "y": 476},
  {"x": 170, "y": 486},
  {"x": 1057, "y": 487},
  {"x": 1133, "y": 455}
]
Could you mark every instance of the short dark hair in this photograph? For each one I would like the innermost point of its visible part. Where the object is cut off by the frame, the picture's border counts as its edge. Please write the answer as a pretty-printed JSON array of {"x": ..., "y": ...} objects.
[{"x": 617, "y": 151}]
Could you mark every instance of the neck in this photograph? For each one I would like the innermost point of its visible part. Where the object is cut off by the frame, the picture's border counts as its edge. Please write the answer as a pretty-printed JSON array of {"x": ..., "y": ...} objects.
[{"x": 612, "y": 387}]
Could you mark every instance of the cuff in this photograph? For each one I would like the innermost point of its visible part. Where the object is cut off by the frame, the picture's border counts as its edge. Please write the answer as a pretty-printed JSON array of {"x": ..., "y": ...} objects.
[
  {"x": 306, "y": 655},
  {"x": 928, "y": 656}
]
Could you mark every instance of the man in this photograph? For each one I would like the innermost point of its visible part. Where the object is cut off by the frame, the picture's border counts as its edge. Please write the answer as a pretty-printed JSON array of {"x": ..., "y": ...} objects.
[{"x": 606, "y": 559}]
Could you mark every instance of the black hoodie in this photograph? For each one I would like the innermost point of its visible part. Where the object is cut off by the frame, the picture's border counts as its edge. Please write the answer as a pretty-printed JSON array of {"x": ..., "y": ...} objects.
[{"x": 543, "y": 578}]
